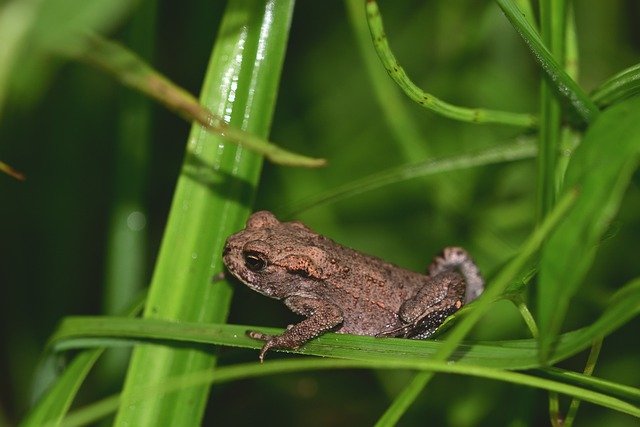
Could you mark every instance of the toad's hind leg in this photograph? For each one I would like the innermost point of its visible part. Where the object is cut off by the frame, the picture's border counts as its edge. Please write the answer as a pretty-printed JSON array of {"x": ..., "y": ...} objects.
[
  {"x": 457, "y": 259},
  {"x": 439, "y": 298}
]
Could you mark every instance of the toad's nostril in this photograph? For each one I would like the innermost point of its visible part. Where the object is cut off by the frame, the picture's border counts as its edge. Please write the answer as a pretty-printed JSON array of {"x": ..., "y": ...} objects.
[{"x": 226, "y": 250}]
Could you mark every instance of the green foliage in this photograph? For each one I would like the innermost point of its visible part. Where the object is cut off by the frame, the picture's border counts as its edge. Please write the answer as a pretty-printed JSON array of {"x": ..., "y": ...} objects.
[
  {"x": 601, "y": 184},
  {"x": 548, "y": 205}
]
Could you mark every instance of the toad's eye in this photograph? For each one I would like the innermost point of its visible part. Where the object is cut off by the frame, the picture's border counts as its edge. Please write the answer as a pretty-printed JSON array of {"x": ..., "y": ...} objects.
[{"x": 254, "y": 261}]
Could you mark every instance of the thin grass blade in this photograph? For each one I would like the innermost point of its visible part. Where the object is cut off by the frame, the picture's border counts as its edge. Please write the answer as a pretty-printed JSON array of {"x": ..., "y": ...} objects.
[
  {"x": 427, "y": 100},
  {"x": 55, "y": 402},
  {"x": 522, "y": 149},
  {"x": 100, "y": 409},
  {"x": 132, "y": 71}
]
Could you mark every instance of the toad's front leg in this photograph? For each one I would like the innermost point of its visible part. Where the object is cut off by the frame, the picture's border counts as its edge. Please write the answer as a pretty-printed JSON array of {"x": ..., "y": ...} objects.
[{"x": 321, "y": 317}]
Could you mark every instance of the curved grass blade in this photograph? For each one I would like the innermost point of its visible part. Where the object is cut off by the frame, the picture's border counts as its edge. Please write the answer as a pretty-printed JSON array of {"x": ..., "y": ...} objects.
[
  {"x": 83, "y": 332},
  {"x": 427, "y": 100},
  {"x": 557, "y": 77},
  {"x": 100, "y": 409},
  {"x": 132, "y": 71},
  {"x": 212, "y": 199},
  {"x": 524, "y": 148},
  {"x": 395, "y": 112},
  {"x": 55, "y": 402},
  {"x": 518, "y": 354},
  {"x": 623, "y": 85},
  {"x": 600, "y": 168}
]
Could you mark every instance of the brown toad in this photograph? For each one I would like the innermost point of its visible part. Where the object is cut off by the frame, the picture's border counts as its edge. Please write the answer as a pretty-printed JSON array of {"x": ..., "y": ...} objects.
[{"x": 342, "y": 290}]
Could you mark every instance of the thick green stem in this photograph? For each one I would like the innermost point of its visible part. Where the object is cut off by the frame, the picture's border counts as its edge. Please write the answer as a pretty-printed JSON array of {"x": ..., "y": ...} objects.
[{"x": 212, "y": 199}]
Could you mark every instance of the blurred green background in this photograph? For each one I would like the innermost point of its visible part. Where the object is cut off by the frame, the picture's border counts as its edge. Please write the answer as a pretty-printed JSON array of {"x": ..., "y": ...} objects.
[{"x": 62, "y": 127}]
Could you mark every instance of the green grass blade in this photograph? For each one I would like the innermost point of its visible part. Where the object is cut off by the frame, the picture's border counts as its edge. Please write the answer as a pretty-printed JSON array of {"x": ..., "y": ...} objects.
[
  {"x": 79, "y": 332},
  {"x": 87, "y": 331},
  {"x": 55, "y": 402},
  {"x": 427, "y": 100},
  {"x": 527, "y": 11},
  {"x": 553, "y": 16},
  {"x": 557, "y": 77},
  {"x": 83, "y": 332},
  {"x": 212, "y": 199},
  {"x": 522, "y": 149},
  {"x": 600, "y": 169},
  {"x": 571, "y": 49},
  {"x": 621, "y": 391},
  {"x": 552, "y": 19},
  {"x": 588, "y": 371},
  {"x": 98, "y": 410},
  {"x": 617, "y": 88},
  {"x": 132, "y": 71}
]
